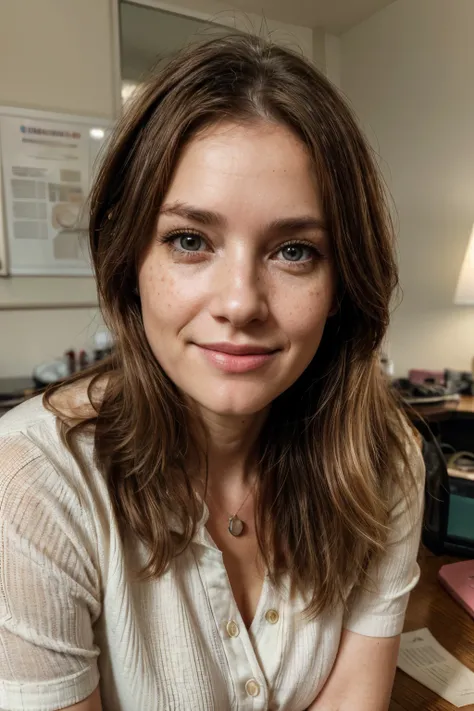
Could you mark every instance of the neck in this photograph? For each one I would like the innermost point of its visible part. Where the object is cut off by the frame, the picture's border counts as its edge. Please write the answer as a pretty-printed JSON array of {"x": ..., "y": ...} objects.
[{"x": 230, "y": 445}]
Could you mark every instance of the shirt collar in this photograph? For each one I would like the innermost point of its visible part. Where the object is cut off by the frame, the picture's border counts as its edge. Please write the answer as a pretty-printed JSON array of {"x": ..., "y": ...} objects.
[{"x": 201, "y": 535}]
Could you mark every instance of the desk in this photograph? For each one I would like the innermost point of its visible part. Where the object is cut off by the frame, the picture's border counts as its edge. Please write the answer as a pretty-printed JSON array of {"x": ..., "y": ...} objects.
[
  {"x": 450, "y": 410},
  {"x": 451, "y": 422},
  {"x": 431, "y": 606}
]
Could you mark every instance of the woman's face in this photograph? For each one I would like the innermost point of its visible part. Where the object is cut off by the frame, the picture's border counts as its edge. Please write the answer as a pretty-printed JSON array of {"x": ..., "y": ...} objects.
[{"x": 239, "y": 280}]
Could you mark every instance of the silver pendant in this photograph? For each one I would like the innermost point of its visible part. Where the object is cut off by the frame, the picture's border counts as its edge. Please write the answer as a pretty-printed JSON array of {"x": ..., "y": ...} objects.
[{"x": 236, "y": 526}]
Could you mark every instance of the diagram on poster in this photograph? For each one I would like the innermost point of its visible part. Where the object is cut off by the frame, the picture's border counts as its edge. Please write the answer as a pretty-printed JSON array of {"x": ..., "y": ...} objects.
[{"x": 47, "y": 166}]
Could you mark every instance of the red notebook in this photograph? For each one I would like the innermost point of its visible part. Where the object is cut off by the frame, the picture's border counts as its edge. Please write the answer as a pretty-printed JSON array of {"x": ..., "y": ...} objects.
[{"x": 458, "y": 579}]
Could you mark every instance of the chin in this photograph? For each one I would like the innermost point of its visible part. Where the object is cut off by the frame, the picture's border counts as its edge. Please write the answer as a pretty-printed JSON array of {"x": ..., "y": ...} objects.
[
  {"x": 233, "y": 409},
  {"x": 235, "y": 404}
]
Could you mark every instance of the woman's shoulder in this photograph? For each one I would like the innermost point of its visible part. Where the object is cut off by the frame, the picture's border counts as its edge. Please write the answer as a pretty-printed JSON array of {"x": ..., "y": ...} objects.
[
  {"x": 26, "y": 432},
  {"x": 35, "y": 459},
  {"x": 30, "y": 413},
  {"x": 40, "y": 423},
  {"x": 68, "y": 403}
]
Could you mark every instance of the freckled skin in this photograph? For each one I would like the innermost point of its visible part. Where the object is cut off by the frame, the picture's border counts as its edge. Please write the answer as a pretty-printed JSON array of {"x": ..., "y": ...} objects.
[{"x": 239, "y": 287}]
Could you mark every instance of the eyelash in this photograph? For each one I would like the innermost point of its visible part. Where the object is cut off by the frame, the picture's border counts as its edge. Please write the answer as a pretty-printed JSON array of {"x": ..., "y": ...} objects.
[{"x": 171, "y": 236}]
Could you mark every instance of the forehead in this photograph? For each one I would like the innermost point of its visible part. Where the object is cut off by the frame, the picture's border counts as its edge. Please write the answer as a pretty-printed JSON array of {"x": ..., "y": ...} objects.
[{"x": 259, "y": 164}]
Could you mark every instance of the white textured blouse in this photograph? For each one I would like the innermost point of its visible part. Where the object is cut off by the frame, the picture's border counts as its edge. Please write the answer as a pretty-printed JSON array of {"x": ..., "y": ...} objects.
[{"x": 72, "y": 615}]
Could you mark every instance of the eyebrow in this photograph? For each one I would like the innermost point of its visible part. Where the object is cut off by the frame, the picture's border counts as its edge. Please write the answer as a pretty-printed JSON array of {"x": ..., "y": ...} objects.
[{"x": 208, "y": 218}]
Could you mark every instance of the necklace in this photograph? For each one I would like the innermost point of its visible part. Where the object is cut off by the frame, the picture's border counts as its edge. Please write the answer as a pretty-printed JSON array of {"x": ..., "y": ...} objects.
[{"x": 236, "y": 526}]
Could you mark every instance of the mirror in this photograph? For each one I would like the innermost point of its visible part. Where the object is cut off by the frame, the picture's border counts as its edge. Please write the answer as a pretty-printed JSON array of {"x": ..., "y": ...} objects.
[{"x": 148, "y": 34}]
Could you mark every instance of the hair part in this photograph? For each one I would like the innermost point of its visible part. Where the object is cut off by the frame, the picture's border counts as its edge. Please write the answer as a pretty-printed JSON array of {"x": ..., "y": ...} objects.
[{"x": 333, "y": 450}]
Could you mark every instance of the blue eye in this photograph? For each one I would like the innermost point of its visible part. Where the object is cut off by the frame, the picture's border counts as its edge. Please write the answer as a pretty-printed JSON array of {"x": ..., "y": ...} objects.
[
  {"x": 297, "y": 253},
  {"x": 189, "y": 242},
  {"x": 185, "y": 243}
]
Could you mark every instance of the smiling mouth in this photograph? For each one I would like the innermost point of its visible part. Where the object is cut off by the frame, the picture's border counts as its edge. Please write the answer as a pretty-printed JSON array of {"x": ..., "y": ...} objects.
[
  {"x": 234, "y": 349},
  {"x": 230, "y": 358}
]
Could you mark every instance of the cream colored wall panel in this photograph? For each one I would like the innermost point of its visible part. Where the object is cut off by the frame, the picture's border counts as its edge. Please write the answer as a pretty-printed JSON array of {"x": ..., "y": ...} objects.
[
  {"x": 56, "y": 55},
  {"x": 408, "y": 72}
]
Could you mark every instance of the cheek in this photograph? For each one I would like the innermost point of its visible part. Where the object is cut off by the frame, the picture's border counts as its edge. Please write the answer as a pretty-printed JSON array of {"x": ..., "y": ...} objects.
[
  {"x": 169, "y": 301},
  {"x": 304, "y": 317},
  {"x": 157, "y": 288}
]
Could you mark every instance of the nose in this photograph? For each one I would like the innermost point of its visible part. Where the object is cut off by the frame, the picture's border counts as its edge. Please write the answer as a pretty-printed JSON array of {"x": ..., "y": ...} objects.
[{"x": 239, "y": 293}]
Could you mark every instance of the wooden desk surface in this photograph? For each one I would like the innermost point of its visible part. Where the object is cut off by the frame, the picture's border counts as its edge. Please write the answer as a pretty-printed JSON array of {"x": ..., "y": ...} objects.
[
  {"x": 466, "y": 404},
  {"x": 446, "y": 410},
  {"x": 431, "y": 606}
]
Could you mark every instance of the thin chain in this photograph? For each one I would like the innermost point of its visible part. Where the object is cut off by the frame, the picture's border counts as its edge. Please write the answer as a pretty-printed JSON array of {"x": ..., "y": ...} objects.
[
  {"x": 244, "y": 501},
  {"x": 241, "y": 505}
]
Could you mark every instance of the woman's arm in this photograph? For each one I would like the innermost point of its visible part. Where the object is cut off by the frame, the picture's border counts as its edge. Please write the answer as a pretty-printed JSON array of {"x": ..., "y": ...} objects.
[
  {"x": 363, "y": 673},
  {"x": 92, "y": 703},
  {"x": 362, "y": 676},
  {"x": 50, "y": 594}
]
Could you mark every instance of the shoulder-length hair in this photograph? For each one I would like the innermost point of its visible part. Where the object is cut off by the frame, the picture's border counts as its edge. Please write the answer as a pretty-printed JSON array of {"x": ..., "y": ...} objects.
[{"x": 332, "y": 451}]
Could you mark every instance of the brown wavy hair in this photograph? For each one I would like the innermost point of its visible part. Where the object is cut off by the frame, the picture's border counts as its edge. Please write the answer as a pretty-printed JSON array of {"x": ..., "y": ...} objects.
[{"x": 333, "y": 448}]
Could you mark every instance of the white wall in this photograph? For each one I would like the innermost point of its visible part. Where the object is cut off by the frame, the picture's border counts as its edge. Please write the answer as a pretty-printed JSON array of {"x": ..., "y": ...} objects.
[
  {"x": 319, "y": 49},
  {"x": 332, "y": 58},
  {"x": 409, "y": 72},
  {"x": 54, "y": 55}
]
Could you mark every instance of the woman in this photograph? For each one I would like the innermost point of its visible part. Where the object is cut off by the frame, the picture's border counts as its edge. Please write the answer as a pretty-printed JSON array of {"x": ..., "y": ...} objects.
[{"x": 226, "y": 514}]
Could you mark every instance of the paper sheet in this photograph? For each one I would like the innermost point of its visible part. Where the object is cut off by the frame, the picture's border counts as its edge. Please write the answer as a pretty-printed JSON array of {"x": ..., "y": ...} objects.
[{"x": 424, "y": 659}]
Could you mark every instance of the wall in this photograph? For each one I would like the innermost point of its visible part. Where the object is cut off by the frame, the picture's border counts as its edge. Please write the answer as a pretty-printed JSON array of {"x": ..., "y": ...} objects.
[
  {"x": 332, "y": 58},
  {"x": 408, "y": 72},
  {"x": 55, "y": 55}
]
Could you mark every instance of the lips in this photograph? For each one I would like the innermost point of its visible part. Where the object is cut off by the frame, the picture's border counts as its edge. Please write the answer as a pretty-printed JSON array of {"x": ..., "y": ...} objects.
[
  {"x": 232, "y": 359},
  {"x": 234, "y": 349}
]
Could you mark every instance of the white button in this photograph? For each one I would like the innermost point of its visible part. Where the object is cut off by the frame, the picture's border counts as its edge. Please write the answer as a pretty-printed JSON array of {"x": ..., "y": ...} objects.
[
  {"x": 232, "y": 629},
  {"x": 252, "y": 687},
  {"x": 272, "y": 616}
]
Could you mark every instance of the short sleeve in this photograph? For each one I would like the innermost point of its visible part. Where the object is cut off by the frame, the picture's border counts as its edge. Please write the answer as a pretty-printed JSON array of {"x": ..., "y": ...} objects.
[
  {"x": 378, "y": 608},
  {"x": 49, "y": 588}
]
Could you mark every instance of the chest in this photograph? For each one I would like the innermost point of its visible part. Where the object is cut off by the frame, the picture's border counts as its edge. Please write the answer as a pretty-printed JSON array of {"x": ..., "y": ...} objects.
[
  {"x": 180, "y": 642},
  {"x": 242, "y": 563}
]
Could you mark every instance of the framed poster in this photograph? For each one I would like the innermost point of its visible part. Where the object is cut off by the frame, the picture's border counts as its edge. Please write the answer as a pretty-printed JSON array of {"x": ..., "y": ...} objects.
[{"x": 47, "y": 162}]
